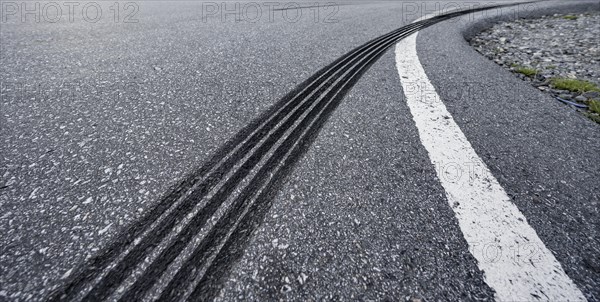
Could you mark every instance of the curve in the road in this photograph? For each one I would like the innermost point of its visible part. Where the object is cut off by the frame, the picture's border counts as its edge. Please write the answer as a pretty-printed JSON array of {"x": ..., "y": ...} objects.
[
  {"x": 209, "y": 217},
  {"x": 523, "y": 268}
]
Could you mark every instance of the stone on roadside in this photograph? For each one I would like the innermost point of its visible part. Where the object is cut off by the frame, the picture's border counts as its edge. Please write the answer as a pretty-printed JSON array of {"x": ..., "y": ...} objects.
[{"x": 591, "y": 94}]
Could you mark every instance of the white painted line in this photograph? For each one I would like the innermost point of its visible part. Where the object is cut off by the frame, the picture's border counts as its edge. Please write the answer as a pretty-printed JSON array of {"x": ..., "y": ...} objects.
[{"x": 515, "y": 261}]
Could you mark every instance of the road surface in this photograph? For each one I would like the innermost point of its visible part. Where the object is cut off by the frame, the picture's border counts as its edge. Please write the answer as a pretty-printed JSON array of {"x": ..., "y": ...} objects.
[{"x": 263, "y": 150}]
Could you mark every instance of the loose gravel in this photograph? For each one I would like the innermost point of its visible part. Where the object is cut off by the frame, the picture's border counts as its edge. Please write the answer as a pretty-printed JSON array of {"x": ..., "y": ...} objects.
[{"x": 558, "y": 54}]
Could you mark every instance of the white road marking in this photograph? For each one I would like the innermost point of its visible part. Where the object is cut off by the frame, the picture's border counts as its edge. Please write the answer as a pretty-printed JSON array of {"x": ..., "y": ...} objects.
[{"x": 515, "y": 261}]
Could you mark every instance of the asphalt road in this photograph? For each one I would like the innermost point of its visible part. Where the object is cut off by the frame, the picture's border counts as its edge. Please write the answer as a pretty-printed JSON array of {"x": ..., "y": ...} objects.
[{"x": 101, "y": 120}]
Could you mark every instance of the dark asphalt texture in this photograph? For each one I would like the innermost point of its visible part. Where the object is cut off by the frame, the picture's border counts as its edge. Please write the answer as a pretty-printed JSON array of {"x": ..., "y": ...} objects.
[
  {"x": 99, "y": 120},
  {"x": 542, "y": 152},
  {"x": 360, "y": 218}
]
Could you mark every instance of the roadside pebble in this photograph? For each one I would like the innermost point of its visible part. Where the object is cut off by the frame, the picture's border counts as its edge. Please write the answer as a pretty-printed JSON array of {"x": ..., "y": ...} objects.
[{"x": 543, "y": 50}]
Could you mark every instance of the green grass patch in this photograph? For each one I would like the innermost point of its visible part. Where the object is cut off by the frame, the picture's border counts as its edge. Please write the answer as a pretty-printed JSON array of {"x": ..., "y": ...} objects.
[
  {"x": 528, "y": 71},
  {"x": 594, "y": 110},
  {"x": 594, "y": 106},
  {"x": 574, "y": 85},
  {"x": 570, "y": 17}
]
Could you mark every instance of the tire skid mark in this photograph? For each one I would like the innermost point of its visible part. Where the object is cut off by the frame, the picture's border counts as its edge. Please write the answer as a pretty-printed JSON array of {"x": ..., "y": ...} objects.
[
  {"x": 186, "y": 188},
  {"x": 226, "y": 240},
  {"x": 243, "y": 201},
  {"x": 121, "y": 271},
  {"x": 252, "y": 161}
]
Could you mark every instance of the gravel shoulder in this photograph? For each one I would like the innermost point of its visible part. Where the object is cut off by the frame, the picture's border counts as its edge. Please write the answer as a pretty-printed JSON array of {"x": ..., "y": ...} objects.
[{"x": 559, "y": 54}]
